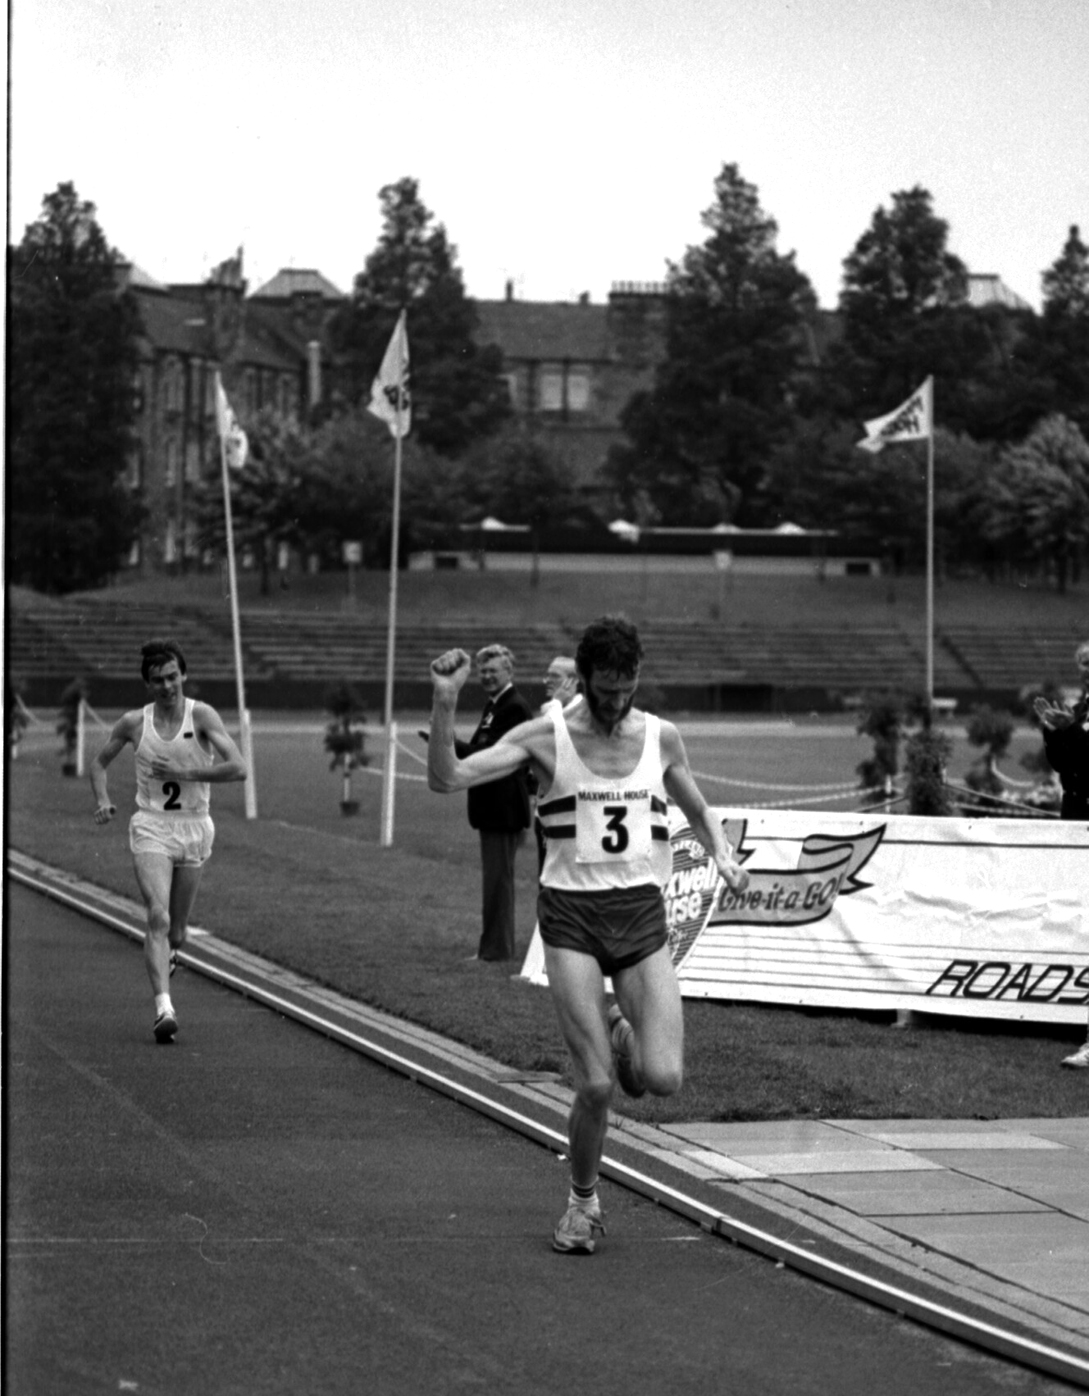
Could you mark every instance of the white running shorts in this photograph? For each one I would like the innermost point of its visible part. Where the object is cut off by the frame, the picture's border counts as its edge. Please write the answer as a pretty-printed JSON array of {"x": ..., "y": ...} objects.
[{"x": 185, "y": 840}]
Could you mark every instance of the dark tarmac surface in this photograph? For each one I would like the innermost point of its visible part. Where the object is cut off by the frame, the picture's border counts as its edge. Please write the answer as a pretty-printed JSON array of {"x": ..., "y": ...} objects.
[{"x": 259, "y": 1209}]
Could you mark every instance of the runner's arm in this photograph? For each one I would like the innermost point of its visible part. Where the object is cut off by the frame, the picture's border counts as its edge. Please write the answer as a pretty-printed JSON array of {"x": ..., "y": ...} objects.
[
  {"x": 681, "y": 786},
  {"x": 122, "y": 732},
  {"x": 230, "y": 765}
]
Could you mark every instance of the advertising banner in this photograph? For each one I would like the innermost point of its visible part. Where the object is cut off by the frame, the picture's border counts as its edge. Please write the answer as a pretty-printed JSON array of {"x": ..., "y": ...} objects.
[{"x": 987, "y": 917}]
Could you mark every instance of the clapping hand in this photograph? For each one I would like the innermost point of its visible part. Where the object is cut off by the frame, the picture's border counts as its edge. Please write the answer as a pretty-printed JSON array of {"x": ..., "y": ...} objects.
[{"x": 1053, "y": 716}]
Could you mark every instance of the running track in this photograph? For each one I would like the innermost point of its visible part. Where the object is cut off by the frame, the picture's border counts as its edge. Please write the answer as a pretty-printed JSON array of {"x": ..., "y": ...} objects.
[{"x": 258, "y": 1209}]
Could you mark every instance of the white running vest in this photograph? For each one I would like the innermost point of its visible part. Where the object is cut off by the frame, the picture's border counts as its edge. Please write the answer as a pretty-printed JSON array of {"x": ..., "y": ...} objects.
[
  {"x": 602, "y": 833},
  {"x": 188, "y": 797}
]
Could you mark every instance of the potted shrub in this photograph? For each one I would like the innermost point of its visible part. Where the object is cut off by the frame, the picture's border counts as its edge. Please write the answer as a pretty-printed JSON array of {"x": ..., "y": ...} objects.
[
  {"x": 991, "y": 732},
  {"x": 881, "y": 717},
  {"x": 926, "y": 756},
  {"x": 345, "y": 738},
  {"x": 68, "y": 724},
  {"x": 16, "y": 717}
]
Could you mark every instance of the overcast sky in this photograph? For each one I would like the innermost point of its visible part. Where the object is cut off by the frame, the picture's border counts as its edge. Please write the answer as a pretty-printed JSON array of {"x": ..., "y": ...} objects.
[{"x": 565, "y": 144}]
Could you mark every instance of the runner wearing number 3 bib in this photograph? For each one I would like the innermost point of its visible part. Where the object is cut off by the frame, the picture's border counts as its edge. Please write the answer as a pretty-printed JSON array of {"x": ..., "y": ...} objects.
[
  {"x": 176, "y": 740},
  {"x": 605, "y": 772}
]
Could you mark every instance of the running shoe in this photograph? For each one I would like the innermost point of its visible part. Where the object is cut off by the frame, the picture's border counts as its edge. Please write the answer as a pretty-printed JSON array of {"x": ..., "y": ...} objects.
[
  {"x": 166, "y": 1027},
  {"x": 173, "y": 962},
  {"x": 575, "y": 1233},
  {"x": 620, "y": 1037},
  {"x": 1079, "y": 1060}
]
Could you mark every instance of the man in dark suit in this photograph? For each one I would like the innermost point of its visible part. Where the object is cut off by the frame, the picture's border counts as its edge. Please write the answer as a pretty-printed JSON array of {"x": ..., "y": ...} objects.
[
  {"x": 1066, "y": 741},
  {"x": 1066, "y": 744},
  {"x": 499, "y": 810}
]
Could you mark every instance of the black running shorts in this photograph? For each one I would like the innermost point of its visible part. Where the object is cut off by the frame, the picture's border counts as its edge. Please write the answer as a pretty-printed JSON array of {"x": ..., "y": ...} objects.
[{"x": 618, "y": 927}]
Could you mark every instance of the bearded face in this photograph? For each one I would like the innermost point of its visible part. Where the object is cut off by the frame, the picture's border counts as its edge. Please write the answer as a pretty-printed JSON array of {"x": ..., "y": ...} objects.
[{"x": 610, "y": 697}]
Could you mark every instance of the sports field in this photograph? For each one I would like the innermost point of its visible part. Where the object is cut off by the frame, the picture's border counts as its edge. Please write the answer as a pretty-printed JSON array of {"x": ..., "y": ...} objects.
[
  {"x": 804, "y": 764},
  {"x": 311, "y": 889}
]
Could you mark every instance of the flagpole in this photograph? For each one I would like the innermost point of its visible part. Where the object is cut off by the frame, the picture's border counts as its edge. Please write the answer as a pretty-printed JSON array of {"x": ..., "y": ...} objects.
[
  {"x": 243, "y": 716},
  {"x": 389, "y": 774},
  {"x": 930, "y": 556}
]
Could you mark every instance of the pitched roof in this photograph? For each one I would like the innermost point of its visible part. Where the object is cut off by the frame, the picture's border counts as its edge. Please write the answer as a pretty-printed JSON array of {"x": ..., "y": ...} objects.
[
  {"x": 183, "y": 325},
  {"x": 174, "y": 323},
  {"x": 295, "y": 281},
  {"x": 545, "y": 329},
  {"x": 988, "y": 288},
  {"x": 134, "y": 277}
]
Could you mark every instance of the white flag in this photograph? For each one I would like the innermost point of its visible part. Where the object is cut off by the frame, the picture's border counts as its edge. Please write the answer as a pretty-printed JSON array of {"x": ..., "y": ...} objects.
[
  {"x": 235, "y": 440},
  {"x": 390, "y": 387},
  {"x": 912, "y": 421}
]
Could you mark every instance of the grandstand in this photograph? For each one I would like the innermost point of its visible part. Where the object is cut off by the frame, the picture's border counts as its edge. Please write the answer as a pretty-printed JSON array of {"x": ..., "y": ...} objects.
[{"x": 291, "y": 657}]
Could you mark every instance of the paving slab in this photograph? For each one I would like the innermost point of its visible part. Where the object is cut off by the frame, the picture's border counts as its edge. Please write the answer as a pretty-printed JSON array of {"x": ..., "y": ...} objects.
[
  {"x": 919, "y": 1194},
  {"x": 929, "y": 1141}
]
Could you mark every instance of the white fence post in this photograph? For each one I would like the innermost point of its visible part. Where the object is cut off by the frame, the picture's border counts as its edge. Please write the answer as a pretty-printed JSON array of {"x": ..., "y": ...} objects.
[
  {"x": 81, "y": 736},
  {"x": 389, "y": 780}
]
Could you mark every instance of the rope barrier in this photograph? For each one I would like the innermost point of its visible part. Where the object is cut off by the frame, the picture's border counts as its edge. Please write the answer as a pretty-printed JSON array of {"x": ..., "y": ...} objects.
[
  {"x": 767, "y": 785},
  {"x": 1016, "y": 784},
  {"x": 92, "y": 714},
  {"x": 422, "y": 760},
  {"x": 980, "y": 799},
  {"x": 851, "y": 790},
  {"x": 379, "y": 770},
  {"x": 31, "y": 717}
]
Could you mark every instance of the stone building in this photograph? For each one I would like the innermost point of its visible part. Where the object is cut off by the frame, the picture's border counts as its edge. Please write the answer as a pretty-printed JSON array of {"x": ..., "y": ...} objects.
[
  {"x": 268, "y": 348},
  {"x": 571, "y": 366}
]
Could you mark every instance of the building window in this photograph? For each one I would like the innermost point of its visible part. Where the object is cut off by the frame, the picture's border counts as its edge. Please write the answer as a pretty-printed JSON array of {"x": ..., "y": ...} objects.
[
  {"x": 172, "y": 390},
  {"x": 289, "y": 396},
  {"x": 578, "y": 392},
  {"x": 170, "y": 470},
  {"x": 551, "y": 391},
  {"x": 192, "y": 462},
  {"x": 249, "y": 392},
  {"x": 196, "y": 397}
]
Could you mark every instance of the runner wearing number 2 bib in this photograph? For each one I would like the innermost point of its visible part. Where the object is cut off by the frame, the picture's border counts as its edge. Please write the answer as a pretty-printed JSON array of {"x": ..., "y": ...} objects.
[
  {"x": 605, "y": 771},
  {"x": 176, "y": 741}
]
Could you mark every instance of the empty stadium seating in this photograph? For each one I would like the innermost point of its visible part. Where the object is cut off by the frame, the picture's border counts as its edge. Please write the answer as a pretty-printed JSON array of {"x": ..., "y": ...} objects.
[{"x": 299, "y": 653}]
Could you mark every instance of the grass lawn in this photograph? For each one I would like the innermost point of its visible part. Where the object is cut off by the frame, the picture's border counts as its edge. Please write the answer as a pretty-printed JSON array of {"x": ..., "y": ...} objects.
[{"x": 312, "y": 890}]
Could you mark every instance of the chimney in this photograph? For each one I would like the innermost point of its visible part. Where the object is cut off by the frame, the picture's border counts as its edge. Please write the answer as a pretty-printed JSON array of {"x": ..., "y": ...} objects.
[
  {"x": 313, "y": 372},
  {"x": 510, "y": 290}
]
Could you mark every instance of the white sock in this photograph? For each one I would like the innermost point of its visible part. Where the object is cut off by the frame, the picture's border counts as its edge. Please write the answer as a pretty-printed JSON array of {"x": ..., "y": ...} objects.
[
  {"x": 163, "y": 1004},
  {"x": 585, "y": 1204}
]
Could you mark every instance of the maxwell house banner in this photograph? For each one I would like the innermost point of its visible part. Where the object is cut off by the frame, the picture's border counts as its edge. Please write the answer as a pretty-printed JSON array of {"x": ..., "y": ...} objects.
[{"x": 987, "y": 917}]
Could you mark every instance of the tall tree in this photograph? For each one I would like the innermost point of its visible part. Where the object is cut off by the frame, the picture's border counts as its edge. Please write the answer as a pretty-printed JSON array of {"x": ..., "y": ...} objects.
[
  {"x": 72, "y": 361},
  {"x": 457, "y": 388},
  {"x": 1036, "y": 505},
  {"x": 1066, "y": 282},
  {"x": 722, "y": 395},
  {"x": 314, "y": 488},
  {"x": 905, "y": 314},
  {"x": 267, "y": 493},
  {"x": 519, "y": 476},
  {"x": 1054, "y": 356}
]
